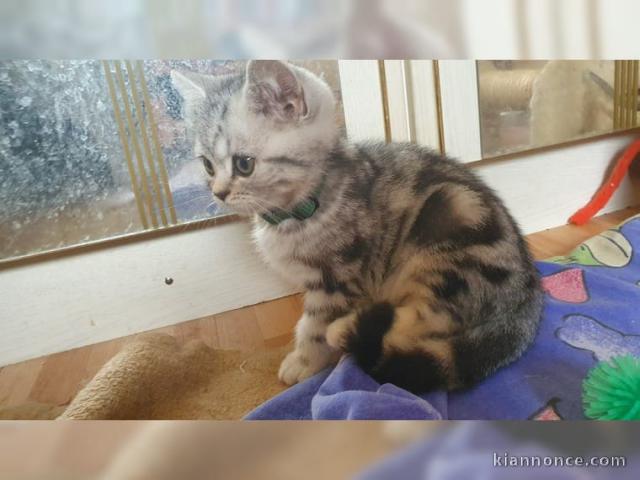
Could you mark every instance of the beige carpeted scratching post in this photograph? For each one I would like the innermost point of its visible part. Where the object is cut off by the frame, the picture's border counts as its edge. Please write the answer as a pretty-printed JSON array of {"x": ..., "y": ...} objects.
[
  {"x": 156, "y": 378},
  {"x": 506, "y": 89}
]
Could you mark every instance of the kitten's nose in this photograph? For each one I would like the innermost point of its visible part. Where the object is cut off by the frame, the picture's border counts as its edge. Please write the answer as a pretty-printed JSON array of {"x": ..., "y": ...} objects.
[{"x": 222, "y": 194}]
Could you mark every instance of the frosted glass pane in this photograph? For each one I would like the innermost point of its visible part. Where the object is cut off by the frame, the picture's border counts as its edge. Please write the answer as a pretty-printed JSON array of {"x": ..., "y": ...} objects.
[{"x": 62, "y": 180}]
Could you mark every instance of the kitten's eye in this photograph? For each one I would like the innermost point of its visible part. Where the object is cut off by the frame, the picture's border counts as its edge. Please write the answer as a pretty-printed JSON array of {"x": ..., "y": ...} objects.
[
  {"x": 243, "y": 164},
  {"x": 208, "y": 166}
]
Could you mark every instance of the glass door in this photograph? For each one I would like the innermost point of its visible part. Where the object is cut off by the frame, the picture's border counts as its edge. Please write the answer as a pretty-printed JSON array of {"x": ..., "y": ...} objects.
[{"x": 94, "y": 150}]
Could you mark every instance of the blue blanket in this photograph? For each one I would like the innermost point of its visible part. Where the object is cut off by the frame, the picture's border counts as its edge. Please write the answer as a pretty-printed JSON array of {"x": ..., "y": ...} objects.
[{"x": 590, "y": 314}]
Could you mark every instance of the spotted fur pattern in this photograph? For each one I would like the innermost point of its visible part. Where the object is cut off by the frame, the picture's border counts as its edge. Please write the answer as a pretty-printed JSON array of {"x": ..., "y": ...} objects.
[{"x": 411, "y": 263}]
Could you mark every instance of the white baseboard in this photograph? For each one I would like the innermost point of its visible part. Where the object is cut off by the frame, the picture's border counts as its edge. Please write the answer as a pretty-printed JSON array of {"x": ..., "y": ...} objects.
[
  {"x": 544, "y": 189},
  {"x": 91, "y": 297}
]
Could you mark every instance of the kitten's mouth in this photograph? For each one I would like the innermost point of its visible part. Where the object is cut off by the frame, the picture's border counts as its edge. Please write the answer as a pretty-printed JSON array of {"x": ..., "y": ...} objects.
[
  {"x": 247, "y": 206},
  {"x": 241, "y": 209},
  {"x": 244, "y": 207}
]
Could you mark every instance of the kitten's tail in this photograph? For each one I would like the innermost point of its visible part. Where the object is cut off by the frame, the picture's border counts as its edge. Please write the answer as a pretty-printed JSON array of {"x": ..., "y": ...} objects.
[{"x": 421, "y": 364}]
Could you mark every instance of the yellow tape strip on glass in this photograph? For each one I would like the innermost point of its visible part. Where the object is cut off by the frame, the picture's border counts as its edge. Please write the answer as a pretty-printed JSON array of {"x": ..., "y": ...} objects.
[
  {"x": 155, "y": 185},
  {"x": 125, "y": 144},
  {"x": 137, "y": 126},
  {"x": 148, "y": 200},
  {"x": 156, "y": 144}
]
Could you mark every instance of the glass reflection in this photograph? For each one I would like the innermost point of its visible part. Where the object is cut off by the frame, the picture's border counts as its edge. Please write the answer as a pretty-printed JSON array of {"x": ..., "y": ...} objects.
[{"x": 526, "y": 104}]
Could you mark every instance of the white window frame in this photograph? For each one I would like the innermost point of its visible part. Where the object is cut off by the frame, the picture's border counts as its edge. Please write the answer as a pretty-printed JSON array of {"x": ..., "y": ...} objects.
[
  {"x": 460, "y": 112},
  {"x": 362, "y": 100},
  {"x": 412, "y": 102}
]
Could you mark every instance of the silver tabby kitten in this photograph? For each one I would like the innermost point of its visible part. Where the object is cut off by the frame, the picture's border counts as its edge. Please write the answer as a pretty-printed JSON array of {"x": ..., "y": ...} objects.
[{"x": 409, "y": 261}]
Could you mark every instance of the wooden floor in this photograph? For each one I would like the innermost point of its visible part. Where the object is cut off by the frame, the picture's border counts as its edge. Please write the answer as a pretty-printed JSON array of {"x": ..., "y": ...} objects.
[{"x": 56, "y": 379}]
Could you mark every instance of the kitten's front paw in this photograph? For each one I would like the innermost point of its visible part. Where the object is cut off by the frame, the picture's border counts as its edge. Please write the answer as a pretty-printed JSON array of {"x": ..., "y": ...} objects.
[{"x": 297, "y": 367}]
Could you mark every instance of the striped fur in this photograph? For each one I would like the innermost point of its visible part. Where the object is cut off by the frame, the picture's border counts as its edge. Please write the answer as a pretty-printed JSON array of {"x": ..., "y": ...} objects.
[{"x": 411, "y": 263}]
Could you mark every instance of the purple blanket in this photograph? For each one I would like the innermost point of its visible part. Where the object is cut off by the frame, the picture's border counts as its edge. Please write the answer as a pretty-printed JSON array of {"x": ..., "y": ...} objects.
[{"x": 591, "y": 313}]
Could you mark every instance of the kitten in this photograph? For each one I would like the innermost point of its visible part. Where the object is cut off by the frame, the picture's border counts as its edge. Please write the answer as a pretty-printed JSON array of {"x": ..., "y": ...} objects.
[{"x": 409, "y": 261}]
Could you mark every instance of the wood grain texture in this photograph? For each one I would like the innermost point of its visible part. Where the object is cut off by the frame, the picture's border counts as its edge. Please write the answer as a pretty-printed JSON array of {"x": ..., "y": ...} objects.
[{"x": 56, "y": 379}]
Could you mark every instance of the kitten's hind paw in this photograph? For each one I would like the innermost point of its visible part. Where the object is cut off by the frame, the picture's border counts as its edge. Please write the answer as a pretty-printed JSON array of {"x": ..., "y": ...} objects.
[{"x": 339, "y": 331}]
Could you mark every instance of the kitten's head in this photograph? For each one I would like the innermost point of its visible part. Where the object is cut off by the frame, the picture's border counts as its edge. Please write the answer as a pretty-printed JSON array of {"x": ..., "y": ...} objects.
[{"x": 263, "y": 136}]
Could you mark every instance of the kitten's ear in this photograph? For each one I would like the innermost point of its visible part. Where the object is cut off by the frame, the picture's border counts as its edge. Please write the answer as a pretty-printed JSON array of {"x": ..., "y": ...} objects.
[
  {"x": 273, "y": 89},
  {"x": 189, "y": 87}
]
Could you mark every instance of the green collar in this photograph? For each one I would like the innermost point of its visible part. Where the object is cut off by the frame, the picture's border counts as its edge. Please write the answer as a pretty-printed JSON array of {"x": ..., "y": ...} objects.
[{"x": 303, "y": 210}]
